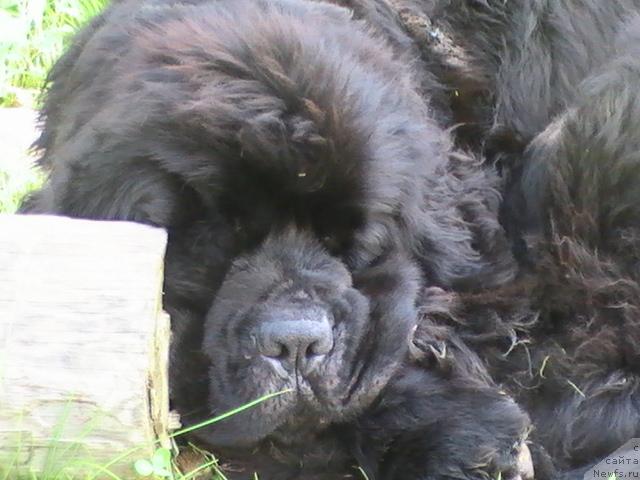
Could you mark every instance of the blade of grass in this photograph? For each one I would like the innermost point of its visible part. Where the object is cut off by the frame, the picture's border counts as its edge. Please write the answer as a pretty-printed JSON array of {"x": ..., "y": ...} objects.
[
  {"x": 75, "y": 446},
  {"x": 56, "y": 434},
  {"x": 206, "y": 423},
  {"x": 15, "y": 456},
  {"x": 219, "y": 475},
  {"x": 363, "y": 473},
  {"x": 230, "y": 413},
  {"x": 95, "y": 466},
  {"x": 576, "y": 388},
  {"x": 198, "y": 470}
]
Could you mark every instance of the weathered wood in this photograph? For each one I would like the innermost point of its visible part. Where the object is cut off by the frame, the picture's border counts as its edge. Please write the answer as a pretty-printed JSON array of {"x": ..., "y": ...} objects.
[{"x": 83, "y": 343}]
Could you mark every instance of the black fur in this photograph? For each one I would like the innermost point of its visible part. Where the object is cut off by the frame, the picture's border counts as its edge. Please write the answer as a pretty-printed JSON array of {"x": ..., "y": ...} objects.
[
  {"x": 201, "y": 119},
  {"x": 549, "y": 91},
  {"x": 297, "y": 161}
]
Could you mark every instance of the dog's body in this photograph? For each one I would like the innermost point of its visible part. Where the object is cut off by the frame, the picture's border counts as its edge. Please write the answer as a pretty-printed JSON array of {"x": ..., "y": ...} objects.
[
  {"x": 549, "y": 91},
  {"x": 325, "y": 235},
  {"x": 309, "y": 195}
]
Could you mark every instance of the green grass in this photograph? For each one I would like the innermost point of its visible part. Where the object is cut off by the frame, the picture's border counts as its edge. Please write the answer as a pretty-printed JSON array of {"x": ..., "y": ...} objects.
[
  {"x": 33, "y": 34},
  {"x": 17, "y": 178},
  {"x": 61, "y": 462}
]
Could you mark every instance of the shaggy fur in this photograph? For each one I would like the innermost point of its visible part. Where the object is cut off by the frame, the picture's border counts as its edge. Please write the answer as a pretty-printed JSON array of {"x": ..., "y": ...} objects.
[
  {"x": 549, "y": 91},
  {"x": 310, "y": 195},
  {"x": 298, "y": 159}
]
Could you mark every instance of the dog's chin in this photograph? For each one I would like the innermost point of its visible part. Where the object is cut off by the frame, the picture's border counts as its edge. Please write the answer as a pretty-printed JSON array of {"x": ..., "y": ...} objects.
[{"x": 283, "y": 403}]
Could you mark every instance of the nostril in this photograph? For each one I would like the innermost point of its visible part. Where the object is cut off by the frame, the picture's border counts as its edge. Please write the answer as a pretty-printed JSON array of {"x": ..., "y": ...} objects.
[
  {"x": 321, "y": 346},
  {"x": 294, "y": 342},
  {"x": 283, "y": 354},
  {"x": 270, "y": 347},
  {"x": 313, "y": 350}
]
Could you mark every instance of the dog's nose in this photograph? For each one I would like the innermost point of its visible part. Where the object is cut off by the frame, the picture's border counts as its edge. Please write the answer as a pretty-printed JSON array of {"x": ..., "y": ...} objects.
[{"x": 295, "y": 342}]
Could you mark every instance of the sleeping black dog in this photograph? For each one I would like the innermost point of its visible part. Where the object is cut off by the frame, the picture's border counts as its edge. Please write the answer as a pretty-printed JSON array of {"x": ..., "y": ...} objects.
[
  {"x": 297, "y": 160},
  {"x": 327, "y": 240}
]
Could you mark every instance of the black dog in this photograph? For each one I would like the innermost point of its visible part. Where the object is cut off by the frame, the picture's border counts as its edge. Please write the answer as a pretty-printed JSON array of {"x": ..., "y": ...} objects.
[
  {"x": 549, "y": 91},
  {"x": 309, "y": 194}
]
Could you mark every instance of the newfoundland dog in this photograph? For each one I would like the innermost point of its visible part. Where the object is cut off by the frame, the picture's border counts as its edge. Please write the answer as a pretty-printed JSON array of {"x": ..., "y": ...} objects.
[
  {"x": 311, "y": 196},
  {"x": 549, "y": 90}
]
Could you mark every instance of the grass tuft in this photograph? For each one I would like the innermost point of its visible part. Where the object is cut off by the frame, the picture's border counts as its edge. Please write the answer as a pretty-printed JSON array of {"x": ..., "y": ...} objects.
[
  {"x": 17, "y": 179},
  {"x": 33, "y": 34},
  {"x": 162, "y": 465}
]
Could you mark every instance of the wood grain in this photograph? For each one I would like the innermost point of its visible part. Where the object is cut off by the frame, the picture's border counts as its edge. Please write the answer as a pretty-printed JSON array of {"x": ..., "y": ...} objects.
[{"x": 83, "y": 343}]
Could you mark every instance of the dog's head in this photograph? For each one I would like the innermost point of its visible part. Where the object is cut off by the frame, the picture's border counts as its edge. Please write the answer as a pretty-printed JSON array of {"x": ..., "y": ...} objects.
[
  {"x": 288, "y": 154},
  {"x": 305, "y": 148}
]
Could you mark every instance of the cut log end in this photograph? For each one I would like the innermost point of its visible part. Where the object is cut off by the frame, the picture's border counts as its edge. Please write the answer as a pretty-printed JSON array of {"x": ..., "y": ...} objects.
[{"x": 83, "y": 344}]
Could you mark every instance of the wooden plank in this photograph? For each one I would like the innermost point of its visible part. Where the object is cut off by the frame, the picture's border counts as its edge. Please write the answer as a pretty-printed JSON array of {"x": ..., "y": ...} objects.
[{"x": 83, "y": 342}]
